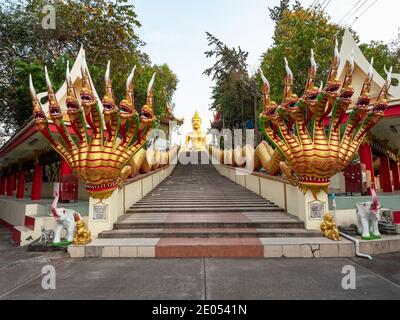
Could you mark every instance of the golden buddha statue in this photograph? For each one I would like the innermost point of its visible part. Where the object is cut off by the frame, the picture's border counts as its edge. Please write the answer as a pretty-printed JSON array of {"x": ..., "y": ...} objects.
[
  {"x": 82, "y": 234},
  {"x": 196, "y": 138},
  {"x": 329, "y": 228}
]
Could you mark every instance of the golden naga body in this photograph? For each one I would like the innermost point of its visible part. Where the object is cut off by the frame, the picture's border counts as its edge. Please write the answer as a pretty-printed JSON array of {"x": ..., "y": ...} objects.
[
  {"x": 82, "y": 234},
  {"x": 329, "y": 228},
  {"x": 300, "y": 143},
  {"x": 101, "y": 156},
  {"x": 196, "y": 138}
]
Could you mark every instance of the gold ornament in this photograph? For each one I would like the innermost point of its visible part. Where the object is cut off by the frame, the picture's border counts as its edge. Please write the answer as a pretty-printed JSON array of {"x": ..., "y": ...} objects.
[
  {"x": 329, "y": 228},
  {"x": 296, "y": 132},
  {"x": 82, "y": 234},
  {"x": 101, "y": 157}
]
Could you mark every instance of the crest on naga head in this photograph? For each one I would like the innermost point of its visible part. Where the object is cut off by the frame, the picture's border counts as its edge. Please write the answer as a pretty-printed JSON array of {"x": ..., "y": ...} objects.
[
  {"x": 107, "y": 139},
  {"x": 314, "y": 150}
]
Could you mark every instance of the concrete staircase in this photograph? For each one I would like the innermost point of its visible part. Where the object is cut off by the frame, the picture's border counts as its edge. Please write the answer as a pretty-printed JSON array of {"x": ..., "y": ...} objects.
[
  {"x": 197, "y": 202},
  {"x": 196, "y": 212}
]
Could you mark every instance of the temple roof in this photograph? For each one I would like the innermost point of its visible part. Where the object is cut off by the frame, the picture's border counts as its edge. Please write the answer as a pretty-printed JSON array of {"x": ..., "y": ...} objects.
[
  {"x": 388, "y": 129},
  {"x": 361, "y": 69},
  {"x": 168, "y": 115}
]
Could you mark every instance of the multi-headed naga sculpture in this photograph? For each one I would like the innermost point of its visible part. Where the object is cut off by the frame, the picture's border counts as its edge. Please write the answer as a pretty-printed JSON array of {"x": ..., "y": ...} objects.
[
  {"x": 301, "y": 143},
  {"x": 100, "y": 155}
]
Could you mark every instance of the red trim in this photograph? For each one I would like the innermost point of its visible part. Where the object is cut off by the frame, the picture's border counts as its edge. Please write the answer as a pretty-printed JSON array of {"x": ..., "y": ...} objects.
[
  {"x": 29, "y": 131},
  {"x": 392, "y": 111},
  {"x": 53, "y": 129},
  {"x": 15, "y": 234},
  {"x": 30, "y": 222}
]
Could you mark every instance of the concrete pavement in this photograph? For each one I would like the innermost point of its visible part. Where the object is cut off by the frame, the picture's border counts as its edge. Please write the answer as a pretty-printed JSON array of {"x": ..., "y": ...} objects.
[{"x": 185, "y": 279}]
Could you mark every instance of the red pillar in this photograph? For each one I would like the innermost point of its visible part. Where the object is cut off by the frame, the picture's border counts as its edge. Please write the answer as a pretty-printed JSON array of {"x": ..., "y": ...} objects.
[
  {"x": 10, "y": 185},
  {"x": 65, "y": 169},
  {"x": 37, "y": 182},
  {"x": 365, "y": 152},
  {"x": 2, "y": 185},
  {"x": 396, "y": 175},
  {"x": 21, "y": 185},
  {"x": 385, "y": 174}
]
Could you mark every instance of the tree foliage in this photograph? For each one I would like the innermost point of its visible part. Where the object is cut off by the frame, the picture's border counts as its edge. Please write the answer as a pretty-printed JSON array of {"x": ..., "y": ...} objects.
[
  {"x": 297, "y": 31},
  {"x": 106, "y": 29},
  {"x": 383, "y": 54},
  {"x": 231, "y": 93}
]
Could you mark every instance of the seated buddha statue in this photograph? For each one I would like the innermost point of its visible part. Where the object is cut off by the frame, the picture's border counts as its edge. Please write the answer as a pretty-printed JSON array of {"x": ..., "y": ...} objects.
[{"x": 196, "y": 140}]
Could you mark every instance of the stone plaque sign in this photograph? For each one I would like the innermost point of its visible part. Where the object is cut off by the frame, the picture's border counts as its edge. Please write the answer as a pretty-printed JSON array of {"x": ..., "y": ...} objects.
[
  {"x": 100, "y": 212},
  {"x": 317, "y": 210}
]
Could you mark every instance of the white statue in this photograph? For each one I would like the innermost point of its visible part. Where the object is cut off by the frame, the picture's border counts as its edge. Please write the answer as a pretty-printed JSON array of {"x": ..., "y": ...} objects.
[
  {"x": 65, "y": 220},
  {"x": 368, "y": 214}
]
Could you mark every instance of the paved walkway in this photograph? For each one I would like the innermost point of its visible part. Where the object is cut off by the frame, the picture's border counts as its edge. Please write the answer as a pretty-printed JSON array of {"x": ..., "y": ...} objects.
[{"x": 185, "y": 279}]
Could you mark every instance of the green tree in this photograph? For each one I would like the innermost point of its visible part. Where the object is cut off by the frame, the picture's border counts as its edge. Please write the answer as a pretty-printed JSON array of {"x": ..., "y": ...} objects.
[
  {"x": 297, "y": 31},
  {"x": 106, "y": 29},
  {"x": 383, "y": 56},
  {"x": 230, "y": 93}
]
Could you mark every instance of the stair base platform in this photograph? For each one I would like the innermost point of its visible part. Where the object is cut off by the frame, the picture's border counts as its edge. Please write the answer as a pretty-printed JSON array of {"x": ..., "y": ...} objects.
[{"x": 215, "y": 248}]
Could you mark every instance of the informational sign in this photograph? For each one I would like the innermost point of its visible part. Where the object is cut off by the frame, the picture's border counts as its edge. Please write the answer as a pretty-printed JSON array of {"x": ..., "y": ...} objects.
[
  {"x": 100, "y": 212},
  {"x": 317, "y": 210}
]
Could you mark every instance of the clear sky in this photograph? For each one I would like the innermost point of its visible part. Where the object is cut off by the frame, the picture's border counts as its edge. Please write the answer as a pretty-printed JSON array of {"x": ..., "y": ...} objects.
[{"x": 174, "y": 32}]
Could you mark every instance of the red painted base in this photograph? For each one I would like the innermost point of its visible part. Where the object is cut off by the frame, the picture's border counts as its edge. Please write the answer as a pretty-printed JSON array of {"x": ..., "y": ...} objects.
[{"x": 15, "y": 234}]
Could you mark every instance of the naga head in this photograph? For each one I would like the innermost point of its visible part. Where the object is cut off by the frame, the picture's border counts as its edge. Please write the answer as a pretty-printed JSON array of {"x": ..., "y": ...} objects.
[
  {"x": 333, "y": 85},
  {"x": 72, "y": 103},
  {"x": 381, "y": 104},
  {"x": 147, "y": 117},
  {"x": 363, "y": 102},
  {"x": 312, "y": 91},
  {"x": 38, "y": 113},
  {"x": 87, "y": 96},
  {"x": 347, "y": 92},
  {"x": 270, "y": 107},
  {"x": 290, "y": 99},
  {"x": 127, "y": 109},
  {"x": 109, "y": 106},
  {"x": 54, "y": 107}
]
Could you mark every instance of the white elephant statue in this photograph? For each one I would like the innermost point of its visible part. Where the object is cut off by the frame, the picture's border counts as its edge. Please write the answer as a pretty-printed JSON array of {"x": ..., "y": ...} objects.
[
  {"x": 368, "y": 214},
  {"x": 66, "y": 219}
]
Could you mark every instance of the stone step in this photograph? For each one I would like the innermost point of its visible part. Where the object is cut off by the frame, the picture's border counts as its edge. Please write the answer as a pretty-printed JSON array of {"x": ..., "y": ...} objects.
[
  {"x": 157, "y": 202},
  {"x": 280, "y": 224},
  {"x": 222, "y": 210},
  {"x": 207, "y": 233},
  {"x": 195, "y": 205}
]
